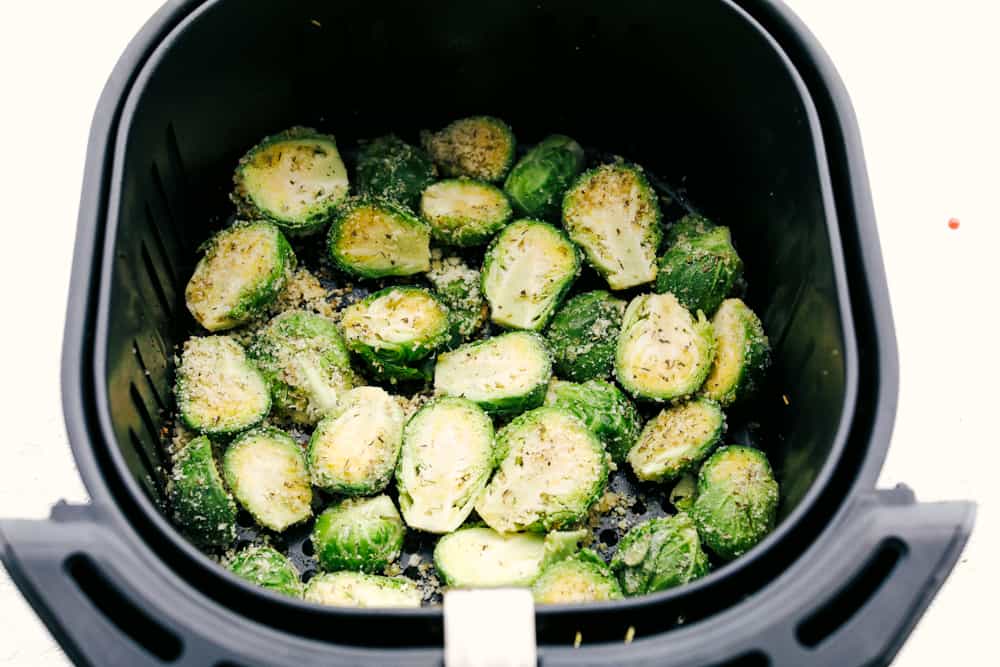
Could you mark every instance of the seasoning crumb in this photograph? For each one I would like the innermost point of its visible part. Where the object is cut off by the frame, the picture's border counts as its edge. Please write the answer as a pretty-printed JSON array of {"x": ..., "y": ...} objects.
[
  {"x": 577, "y": 640},
  {"x": 785, "y": 399},
  {"x": 629, "y": 634},
  {"x": 316, "y": 23}
]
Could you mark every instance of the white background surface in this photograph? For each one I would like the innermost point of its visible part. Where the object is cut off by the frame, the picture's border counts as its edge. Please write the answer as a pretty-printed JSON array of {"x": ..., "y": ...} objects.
[{"x": 924, "y": 79}]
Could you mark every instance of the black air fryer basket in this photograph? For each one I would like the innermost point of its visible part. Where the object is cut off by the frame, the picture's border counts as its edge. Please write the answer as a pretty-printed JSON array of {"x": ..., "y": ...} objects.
[{"x": 731, "y": 102}]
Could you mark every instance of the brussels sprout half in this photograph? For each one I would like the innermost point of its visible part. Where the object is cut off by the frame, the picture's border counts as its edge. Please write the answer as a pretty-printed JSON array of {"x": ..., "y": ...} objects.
[
  {"x": 743, "y": 357},
  {"x": 659, "y": 554},
  {"x": 583, "y": 577},
  {"x": 354, "y": 451},
  {"x": 389, "y": 167},
  {"x": 375, "y": 238},
  {"x": 362, "y": 534},
  {"x": 457, "y": 285},
  {"x": 613, "y": 214},
  {"x": 244, "y": 269},
  {"x": 354, "y": 589},
  {"x": 295, "y": 179},
  {"x": 677, "y": 439},
  {"x": 539, "y": 180},
  {"x": 219, "y": 391},
  {"x": 700, "y": 271},
  {"x": 446, "y": 459},
  {"x": 583, "y": 335},
  {"x": 552, "y": 469},
  {"x": 603, "y": 408},
  {"x": 684, "y": 492},
  {"x": 480, "y": 147},
  {"x": 203, "y": 508},
  {"x": 737, "y": 501},
  {"x": 663, "y": 352},
  {"x": 463, "y": 212},
  {"x": 266, "y": 567}
]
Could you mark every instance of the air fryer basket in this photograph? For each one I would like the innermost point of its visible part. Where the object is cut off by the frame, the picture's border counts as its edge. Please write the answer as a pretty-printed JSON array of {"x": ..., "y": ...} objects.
[{"x": 733, "y": 104}]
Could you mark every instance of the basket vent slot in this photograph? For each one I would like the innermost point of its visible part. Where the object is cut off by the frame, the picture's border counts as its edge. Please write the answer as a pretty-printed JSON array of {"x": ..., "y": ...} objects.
[
  {"x": 161, "y": 247},
  {"x": 149, "y": 379},
  {"x": 154, "y": 279},
  {"x": 752, "y": 659},
  {"x": 141, "y": 465}
]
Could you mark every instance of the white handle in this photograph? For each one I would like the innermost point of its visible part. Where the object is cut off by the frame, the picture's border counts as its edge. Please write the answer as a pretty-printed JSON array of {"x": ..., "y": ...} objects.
[{"x": 489, "y": 628}]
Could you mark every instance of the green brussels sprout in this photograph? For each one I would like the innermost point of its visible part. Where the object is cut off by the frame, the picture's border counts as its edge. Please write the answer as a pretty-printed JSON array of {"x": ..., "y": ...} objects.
[
  {"x": 355, "y": 589},
  {"x": 395, "y": 329},
  {"x": 659, "y": 554},
  {"x": 295, "y": 179},
  {"x": 700, "y": 271},
  {"x": 362, "y": 534},
  {"x": 663, "y": 351},
  {"x": 552, "y": 468},
  {"x": 613, "y": 214},
  {"x": 244, "y": 269},
  {"x": 266, "y": 470},
  {"x": 457, "y": 285},
  {"x": 304, "y": 358},
  {"x": 446, "y": 459},
  {"x": 266, "y": 567},
  {"x": 480, "y": 147},
  {"x": 676, "y": 440},
  {"x": 504, "y": 375},
  {"x": 527, "y": 270},
  {"x": 389, "y": 167},
  {"x": 583, "y": 577},
  {"x": 737, "y": 501},
  {"x": 539, "y": 180},
  {"x": 203, "y": 508},
  {"x": 219, "y": 391},
  {"x": 376, "y": 238},
  {"x": 688, "y": 227},
  {"x": 583, "y": 335},
  {"x": 354, "y": 450},
  {"x": 744, "y": 354},
  {"x": 603, "y": 408},
  {"x": 463, "y": 212},
  {"x": 684, "y": 492}
]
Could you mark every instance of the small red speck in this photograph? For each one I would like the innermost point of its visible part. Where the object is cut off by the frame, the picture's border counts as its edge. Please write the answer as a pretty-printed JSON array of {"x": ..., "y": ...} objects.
[{"x": 953, "y": 223}]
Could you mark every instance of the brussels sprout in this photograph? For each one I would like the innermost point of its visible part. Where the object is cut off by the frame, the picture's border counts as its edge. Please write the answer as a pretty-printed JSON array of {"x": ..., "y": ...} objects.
[
  {"x": 612, "y": 213},
  {"x": 582, "y": 577},
  {"x": 202, "y": 506},
  {"x": 446, "y": 458},
  {"x": 552, "y": 469},
  {"x": 603, "y": 408},
  {"x": 527, "y": 271},
  {"x": 688, "y": 227},
  {"x": 737, "y": 500},
  {"x": 244, "y": 269},
  {"x": 354, "y": 589},
  {"x": 539, "y": 180},
  {"x": 363, "y": 534},
  {"x": 480, "y": 147},
  {"x": 463, "y": 212},
  {"x": 659, "y": 554},
  {"x": 295, "y": 179},
  {"x": 700, "y": 271},
  {"x": 663, "y": 352},
  {"x": 355, "y": 449},
  {"x": 267, "y": 472},
  {"x": 677, "y": 439},
  {"x": 266, "y": 567},
  {"x": 457, "y": 285},
  {"x": 504, "y": 375},
  {"x": 391, "y": 168},
  {"x": 395, "y": 329},
  {"x": 305, "y": 361},
  {"x": 583, "y": 335},
  {"x": 219, "y": 391},
  {"x": 684, "y": 492},
  {"x": 744, "y": 354},
  {"x": 374, "y": 238}
]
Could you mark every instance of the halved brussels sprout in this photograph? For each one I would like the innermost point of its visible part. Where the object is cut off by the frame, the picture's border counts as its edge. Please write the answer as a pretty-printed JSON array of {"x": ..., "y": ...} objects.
[
  {"x": 737, "y": 500},
  {"x": 583, "y": 577},
  {"x": 355, "y": 449},
  {"x": 506, "y": 374},
  {"x": 295, "y": 178},
  {"x": 684, "y": 492},
  {"x": 612, "y": 213},
  {"x": 701, "y": 270},
  {"x": 464, "y": 212},
  {"x": 354, "y": 589},
  {"x": 446, "y": 459},
  {"x": 305, "y": 361},
  {"x": 244, "y": 269},
  {"x": 266, "y": 567},
  {"x": 527, "y": 271},
  {"x": 266, "y": 470},
  {"x": 743, "y": 357},
  {"x": 688, "y": 227},
  {"x": 603, "y": 408},
  {"x": 363, "y": 534},
  {"x": 219, "y": 391},
  {"x": 676, "y": 440},
  {"x": 391, "y": 168},
  {"x": 374, "y": 238},
  {"x": 552, "y": 469},
  {"x": 583, "y": 335},
  {"x": 480, "y": 147},
  {"x": 203, "y": 508},
  {"x": 538, "y": 181},
  {"x": 396, "y": 328},
  {"x": 457, "y": 285},
  {"x": 663, "y": 351},
  {"x": 659, "y": 554}
]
